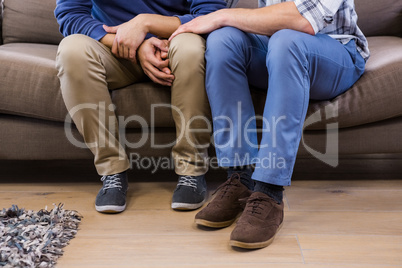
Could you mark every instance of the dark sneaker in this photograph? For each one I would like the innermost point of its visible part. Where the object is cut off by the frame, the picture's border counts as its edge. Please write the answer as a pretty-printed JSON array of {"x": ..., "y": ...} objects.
[
  {"x": 229, "y": 201},
  {"x": 112, "y": 196},
  {"x": 261, "y": 220},
  {"x": 190, "y": 193}
]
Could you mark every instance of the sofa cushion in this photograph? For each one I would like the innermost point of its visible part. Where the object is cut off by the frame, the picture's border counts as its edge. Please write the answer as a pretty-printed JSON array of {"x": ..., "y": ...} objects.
[
  {"x": 30, "y": 21},
  {"x": 29, "y": 85},
  {"x": 379, "y": 17},
  {"x": 231, "y": 3},
  {"x": 33, "y": 21},
  {"x": 377, "y": 95},
  {"x": 247, "y": 4},
  {"x": 148, "y": 100}
]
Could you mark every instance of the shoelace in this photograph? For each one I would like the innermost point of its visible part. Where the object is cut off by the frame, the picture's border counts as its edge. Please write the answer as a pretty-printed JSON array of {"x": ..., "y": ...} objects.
[
  {"x": 111, "y": 181},
  {"x": 256, "y": 205},
  {"x": 226, "y": 187},
  {"x": 187, "y": 181}
]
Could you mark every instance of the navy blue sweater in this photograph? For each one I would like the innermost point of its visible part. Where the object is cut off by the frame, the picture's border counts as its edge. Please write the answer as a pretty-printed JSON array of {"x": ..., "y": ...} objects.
[{"x": 88, "y": 16}]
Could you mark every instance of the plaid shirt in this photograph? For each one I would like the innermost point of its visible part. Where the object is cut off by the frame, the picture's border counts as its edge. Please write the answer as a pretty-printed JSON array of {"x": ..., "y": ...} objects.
[{"x": 337, "y": 18}]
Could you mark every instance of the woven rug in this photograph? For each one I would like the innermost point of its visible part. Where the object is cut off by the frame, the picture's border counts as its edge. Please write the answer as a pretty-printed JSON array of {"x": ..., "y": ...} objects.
[{"x": 35, "y": 238}]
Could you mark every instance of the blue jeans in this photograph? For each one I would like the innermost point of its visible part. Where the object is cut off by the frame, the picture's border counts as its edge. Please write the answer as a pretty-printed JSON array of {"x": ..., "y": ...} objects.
[{"x": 293, "y": 67}]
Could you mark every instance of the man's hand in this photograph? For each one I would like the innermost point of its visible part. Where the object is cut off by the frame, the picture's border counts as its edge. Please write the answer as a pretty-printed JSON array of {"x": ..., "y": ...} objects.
[
  {"x": 265, "y": 21},
  {"x": 152, "y": 55},
  {"x": 128, "y": 37},
  {"x": 200, "y": 25}
]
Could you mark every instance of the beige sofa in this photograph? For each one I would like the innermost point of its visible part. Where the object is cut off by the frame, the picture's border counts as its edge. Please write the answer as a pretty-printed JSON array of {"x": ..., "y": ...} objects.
[{"x": 367, "y": 119}]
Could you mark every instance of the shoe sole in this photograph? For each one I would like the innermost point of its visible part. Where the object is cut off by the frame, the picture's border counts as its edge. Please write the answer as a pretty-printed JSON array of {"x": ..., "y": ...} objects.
[
  {"x": 255, "y": 245},
  {"x": 110, "y": 209},
  {"x": 186, "y": 206},
  {"x": 214, "y": 224}
]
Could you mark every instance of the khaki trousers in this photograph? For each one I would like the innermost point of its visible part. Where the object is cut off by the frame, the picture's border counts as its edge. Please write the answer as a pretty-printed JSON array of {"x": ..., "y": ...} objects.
[{"x": 88, "y": 70}]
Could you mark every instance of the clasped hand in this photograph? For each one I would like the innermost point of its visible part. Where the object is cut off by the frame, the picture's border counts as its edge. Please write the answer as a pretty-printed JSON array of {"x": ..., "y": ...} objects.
[{"x": 129, "y": 44}]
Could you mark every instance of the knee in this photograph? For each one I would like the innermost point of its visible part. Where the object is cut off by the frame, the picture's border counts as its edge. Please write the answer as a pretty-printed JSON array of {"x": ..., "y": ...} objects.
[
  {"x": 286, "y": 43},
  {"x": 188, "y": 48},
  {"x": 286, "y": 40},
  {"x": 223, "y": 37},
  {"x": 73, "y": 52},
  {"x": 222, "y": 43}
]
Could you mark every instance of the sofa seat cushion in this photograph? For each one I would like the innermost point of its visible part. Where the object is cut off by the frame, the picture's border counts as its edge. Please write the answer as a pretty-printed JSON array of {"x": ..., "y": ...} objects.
[
  {"x": 144, "y": 104},
  {"x": 376, "y": 96},
  {"x": 29, "y": 85}
]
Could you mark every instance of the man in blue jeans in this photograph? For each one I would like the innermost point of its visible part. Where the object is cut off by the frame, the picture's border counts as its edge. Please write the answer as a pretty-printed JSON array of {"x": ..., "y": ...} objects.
[{"x": 297, "y": 51}]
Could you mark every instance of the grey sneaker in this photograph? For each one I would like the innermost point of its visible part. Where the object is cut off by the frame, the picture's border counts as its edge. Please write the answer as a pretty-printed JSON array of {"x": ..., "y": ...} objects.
[
  {"x": 112, "y": 196},
  {"x": 190, "y": 193}
]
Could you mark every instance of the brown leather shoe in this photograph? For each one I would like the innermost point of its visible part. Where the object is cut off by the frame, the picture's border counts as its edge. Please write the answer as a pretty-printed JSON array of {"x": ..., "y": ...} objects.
[
  {"x": 222, "y": 211},
  {"x": 261, "y": 220}
]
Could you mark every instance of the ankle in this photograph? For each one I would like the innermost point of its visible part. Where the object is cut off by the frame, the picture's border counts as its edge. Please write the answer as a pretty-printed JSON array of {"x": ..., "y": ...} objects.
[
  {"x": 273, "y": 191},
  {"x": 245, "y": 173}
]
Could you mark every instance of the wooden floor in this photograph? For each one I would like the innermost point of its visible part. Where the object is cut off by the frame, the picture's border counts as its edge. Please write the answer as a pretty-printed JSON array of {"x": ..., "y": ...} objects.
[{"x": 328, "y": 223}]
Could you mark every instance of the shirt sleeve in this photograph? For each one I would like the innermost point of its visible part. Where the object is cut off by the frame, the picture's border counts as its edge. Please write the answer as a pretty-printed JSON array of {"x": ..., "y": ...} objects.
[
  {"x": 319, "y": 13},
  {"x": 74, "y": 17},
  {"x": 201, "y": 7}
]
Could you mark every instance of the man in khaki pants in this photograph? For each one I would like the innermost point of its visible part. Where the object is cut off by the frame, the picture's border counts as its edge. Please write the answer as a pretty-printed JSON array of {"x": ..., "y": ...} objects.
[{"x": 95, "y": 58}]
